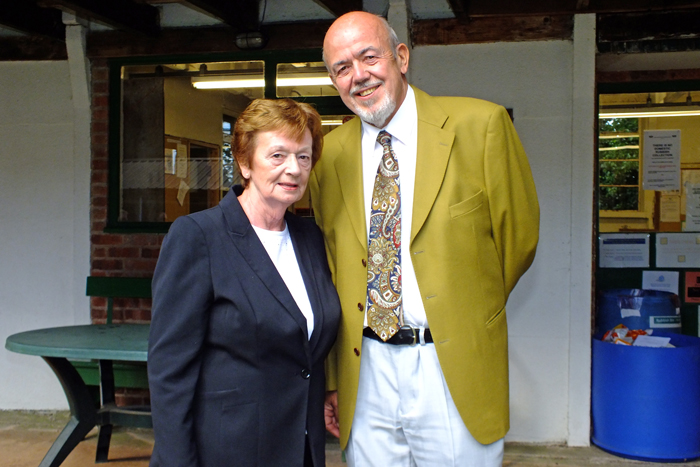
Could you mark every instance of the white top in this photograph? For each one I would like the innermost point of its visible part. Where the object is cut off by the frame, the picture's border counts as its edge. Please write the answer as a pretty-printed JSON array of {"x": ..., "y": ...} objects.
[
  {"x": 281, "y": 251},
  {"x": 403, "y": 128}
]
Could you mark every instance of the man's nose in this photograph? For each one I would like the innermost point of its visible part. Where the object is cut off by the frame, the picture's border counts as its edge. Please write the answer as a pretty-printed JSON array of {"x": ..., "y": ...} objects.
[{"x": 359, "y": 72}]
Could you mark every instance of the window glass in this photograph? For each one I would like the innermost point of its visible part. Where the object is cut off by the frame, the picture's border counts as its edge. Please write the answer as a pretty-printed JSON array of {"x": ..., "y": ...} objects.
[
  {"x": 618, "y": 173},
  {"x": 627, "y": 122},
  {"x": 175, "y": 154},
  {"x": 303, "y": 79},
  {"x": 171, "y": 125}
]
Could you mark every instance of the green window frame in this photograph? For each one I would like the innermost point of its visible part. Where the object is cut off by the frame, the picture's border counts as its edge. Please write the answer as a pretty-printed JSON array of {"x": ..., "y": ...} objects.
[{"x": 325, "y": 105}]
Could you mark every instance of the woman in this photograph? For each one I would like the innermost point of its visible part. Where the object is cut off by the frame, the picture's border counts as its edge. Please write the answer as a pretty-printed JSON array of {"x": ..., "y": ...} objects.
[{"x": 244, "y": 311}]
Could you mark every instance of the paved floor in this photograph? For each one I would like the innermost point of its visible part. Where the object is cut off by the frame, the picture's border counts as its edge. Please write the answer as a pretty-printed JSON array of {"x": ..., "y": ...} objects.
[{"x": 26, "y": 436}]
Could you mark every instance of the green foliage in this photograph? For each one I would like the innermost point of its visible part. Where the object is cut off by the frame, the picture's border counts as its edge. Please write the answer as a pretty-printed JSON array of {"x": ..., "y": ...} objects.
[
  {"x": 619, "y": 173},
  {"x": 619, "y": 167},
  {"x": 622, "y": 153},
  {"x": 615, "y": 198},
  {"x": 618, "y": 125},
  {"x": 615, "y": 142}
]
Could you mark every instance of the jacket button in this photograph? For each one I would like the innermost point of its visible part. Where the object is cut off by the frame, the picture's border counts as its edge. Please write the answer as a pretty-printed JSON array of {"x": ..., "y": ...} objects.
[
  {"x": 364, "y": 263},
  {"x": 360, "y": 307},
  {"x": 305, "y": 373},
  {"x": 357, "y": 352}
]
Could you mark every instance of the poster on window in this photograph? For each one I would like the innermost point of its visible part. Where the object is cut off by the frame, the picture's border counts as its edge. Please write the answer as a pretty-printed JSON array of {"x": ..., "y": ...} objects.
[
  {"x": 662, "y": 160},
  {"x": 692, "y": 207},
  {"x": 624, "y": 250},
  {"x": 677, "y": 250}
]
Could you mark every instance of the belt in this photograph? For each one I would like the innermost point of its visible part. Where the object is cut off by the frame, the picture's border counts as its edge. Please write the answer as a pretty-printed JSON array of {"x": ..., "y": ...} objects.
[{"x": 407, "y": 335}]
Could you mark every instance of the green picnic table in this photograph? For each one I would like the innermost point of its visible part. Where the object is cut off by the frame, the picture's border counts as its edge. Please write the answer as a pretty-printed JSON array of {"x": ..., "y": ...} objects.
[{"x": 104, "y": 343}]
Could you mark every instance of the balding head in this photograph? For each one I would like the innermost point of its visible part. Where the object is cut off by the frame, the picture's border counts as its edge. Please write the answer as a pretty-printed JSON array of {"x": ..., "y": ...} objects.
[
  {"x": 350, "y": 20},
  {"x": 367, "y": 64}
]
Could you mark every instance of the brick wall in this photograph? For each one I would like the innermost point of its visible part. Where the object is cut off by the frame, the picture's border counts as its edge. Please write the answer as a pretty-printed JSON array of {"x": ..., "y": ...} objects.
[{"x": 123, "y": 254}]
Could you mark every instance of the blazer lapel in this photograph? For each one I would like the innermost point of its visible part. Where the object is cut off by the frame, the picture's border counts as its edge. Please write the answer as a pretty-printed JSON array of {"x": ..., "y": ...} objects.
[
  {"x": 433, "y": 153},
  {"x": 348, "y": 166},
  {"x": 306, "y": 266},
  {"x": 253, "y": 252}
]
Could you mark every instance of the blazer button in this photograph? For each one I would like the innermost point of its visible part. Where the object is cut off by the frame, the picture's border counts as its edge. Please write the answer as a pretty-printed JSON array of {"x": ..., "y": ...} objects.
[
  {"x": 360, "y": 307},
  {"x": 357, "y": 352},
  {"x": 305, "y": 373},
  {"x": 364, "y": 263}
]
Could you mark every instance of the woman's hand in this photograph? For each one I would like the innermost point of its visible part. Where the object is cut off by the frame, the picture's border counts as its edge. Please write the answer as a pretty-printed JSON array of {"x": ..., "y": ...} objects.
[{"x": 330, "y": 412}]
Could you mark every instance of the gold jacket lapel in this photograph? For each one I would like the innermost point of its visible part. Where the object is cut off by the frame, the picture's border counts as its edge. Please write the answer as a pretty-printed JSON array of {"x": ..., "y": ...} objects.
[
  {"x": 432, "y": 155},
  {"x": 348, "y": 168}
]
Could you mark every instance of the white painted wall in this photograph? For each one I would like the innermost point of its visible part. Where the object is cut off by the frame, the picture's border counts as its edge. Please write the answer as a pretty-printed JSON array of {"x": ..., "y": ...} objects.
[
  {"x": 535, "y": 79},
  {"x": 37, "y": 231}
]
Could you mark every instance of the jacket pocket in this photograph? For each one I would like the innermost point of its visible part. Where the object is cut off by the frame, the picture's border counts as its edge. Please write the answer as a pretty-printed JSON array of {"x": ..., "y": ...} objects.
[
  {"x": 468, "y": 205},
  {"x": 496, "y": 326}
]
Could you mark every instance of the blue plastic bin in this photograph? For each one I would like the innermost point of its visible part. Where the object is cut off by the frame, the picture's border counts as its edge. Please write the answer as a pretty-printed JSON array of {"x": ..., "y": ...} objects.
[
  {"x": 655, "y": 310},
  {"x": 646, "y": 401}
]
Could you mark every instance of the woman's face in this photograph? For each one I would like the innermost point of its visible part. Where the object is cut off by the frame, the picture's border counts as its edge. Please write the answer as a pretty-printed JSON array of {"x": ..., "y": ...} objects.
[{"x": 279, "y": 168}]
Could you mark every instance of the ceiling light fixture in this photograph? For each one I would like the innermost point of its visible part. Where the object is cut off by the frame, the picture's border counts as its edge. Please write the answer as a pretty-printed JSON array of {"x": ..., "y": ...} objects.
[
  {"x": 227, "y": 82},
  {"x": 636, "y": 113},
  {"x": 238, "y": 82}
]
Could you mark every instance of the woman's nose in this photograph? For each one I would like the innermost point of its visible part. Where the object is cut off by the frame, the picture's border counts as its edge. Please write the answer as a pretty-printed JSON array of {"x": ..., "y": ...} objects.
[{"x": 292, "y": 164}]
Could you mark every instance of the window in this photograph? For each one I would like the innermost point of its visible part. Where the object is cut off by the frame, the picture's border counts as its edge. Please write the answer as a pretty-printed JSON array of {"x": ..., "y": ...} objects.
[
  {"x": 170, "y": 142},
  {"x": 629, "y": 116},
  {"x": 619, "y": 164}
]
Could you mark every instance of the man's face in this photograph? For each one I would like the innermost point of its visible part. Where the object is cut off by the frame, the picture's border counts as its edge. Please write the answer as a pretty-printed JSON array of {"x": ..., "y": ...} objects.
[{"x": 363, "y": 68}]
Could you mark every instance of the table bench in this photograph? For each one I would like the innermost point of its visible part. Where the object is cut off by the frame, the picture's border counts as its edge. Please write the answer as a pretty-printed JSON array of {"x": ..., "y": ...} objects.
[
  {"x": 108, "y": 375},
  {"x": 103, "y": 343},
  {"x": 131, "y": 375}
]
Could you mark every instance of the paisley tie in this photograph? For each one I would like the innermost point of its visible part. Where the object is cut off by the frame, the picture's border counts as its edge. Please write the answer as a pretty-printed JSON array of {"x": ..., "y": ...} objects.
[{"x": 384, "y": 303}]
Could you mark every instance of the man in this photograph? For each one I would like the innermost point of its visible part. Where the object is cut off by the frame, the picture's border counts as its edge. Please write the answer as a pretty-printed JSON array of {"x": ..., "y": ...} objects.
[{"x": 424, "y": 253}]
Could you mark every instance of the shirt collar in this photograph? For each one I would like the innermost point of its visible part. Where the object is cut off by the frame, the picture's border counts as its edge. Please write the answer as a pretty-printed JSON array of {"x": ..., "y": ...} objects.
[{"x": 402, "y": 124}]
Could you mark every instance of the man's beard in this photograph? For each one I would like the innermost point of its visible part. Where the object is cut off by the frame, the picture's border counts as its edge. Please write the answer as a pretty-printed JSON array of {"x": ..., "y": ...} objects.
[{"x": 379, "y": 116}]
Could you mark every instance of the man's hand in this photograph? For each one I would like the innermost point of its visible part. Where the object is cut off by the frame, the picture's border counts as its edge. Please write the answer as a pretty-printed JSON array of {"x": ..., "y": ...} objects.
[{"x": 330, "y": 411}]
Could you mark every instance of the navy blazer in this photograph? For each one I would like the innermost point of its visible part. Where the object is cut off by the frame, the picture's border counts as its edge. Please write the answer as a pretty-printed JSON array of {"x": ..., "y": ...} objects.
[{"x": 234, "y": 379}]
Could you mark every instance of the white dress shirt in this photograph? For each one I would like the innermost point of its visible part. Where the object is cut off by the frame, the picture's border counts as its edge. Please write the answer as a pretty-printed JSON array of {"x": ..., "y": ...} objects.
[
  {"x": 281, "y": 251},
  {"x": 403, "y": 128}
]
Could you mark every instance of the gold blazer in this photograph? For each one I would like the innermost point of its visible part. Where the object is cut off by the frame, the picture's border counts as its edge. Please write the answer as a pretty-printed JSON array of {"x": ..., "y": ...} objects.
[{"x": 474, "y": 233}]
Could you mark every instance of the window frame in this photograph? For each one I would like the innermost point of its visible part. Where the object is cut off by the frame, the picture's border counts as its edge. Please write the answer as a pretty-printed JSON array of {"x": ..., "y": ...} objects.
[
  {"x": 625, "y": 88},
  {"x": 329, "y": 105}
]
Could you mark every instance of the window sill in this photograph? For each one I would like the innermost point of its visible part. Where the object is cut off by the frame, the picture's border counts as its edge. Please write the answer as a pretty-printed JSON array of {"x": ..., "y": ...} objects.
[{"x": 624, "y": 215}]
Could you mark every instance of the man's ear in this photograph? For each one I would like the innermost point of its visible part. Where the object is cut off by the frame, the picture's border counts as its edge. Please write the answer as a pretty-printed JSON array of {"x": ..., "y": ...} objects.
[{"x": 402, "y": 54}]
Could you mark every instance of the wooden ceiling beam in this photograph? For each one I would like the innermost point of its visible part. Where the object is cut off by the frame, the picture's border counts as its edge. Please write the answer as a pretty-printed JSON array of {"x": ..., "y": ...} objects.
[
  {"x": 22, "y": 48},
  {"x": 648, "y": 26},
  {"x": 460, "y": 8},
  {"x": 495, "y": 29},
  {"x": 26, "y": 17},
  {"x": 119, "y": 14},
  {"x": 243, "y": 15},
  {"x": 340, "y": 7},
  {"x": 185, "y": 41},
  {"x": 500, "y": 8}
]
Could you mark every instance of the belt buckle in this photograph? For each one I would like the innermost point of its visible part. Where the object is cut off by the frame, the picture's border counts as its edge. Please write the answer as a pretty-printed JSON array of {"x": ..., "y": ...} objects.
[{"x": 413, "y": 331}]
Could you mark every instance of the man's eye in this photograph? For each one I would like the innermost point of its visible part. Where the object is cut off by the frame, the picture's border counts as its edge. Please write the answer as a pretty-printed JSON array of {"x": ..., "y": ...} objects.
[{"x": 277, "y": 156}]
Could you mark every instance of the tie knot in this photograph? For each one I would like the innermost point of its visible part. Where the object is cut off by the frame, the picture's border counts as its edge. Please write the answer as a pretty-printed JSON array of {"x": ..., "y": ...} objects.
[{"x": 384, "y": 138}]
